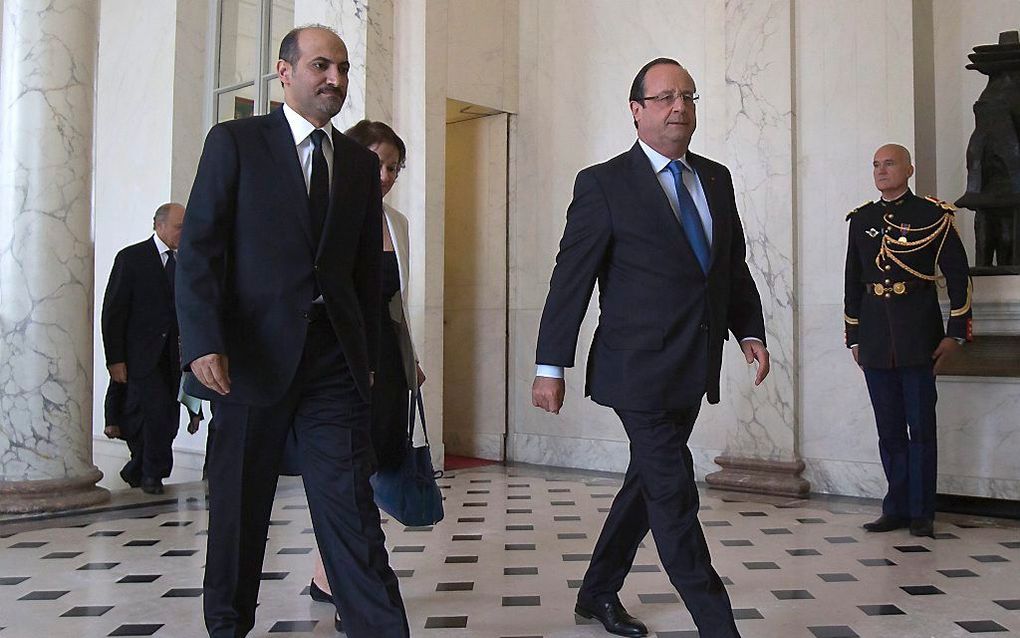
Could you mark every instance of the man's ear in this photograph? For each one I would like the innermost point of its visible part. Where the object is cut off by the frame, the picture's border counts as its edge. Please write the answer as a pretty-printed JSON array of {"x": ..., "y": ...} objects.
[{"x": 283, "y": 70}]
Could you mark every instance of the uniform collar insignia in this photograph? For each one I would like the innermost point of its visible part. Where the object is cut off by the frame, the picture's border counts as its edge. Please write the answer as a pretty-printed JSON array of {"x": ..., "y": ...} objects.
[{"x": 871, "y": 232}]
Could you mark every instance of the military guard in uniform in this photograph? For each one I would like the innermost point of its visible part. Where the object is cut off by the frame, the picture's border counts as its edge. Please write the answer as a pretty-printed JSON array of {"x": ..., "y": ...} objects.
[{"x": 894, "y": 327}]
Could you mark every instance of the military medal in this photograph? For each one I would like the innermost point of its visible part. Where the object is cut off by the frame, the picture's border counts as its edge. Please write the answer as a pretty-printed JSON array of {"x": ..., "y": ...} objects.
[{"x": 904, "y": 229}]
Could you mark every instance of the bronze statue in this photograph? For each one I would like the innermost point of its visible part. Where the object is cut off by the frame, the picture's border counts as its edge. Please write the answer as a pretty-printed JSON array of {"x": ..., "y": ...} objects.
[{"x": 993, "y": 157}]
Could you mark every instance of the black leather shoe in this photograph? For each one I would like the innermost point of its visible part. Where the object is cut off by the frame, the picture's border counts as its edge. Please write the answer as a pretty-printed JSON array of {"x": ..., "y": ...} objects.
[
  {"x": 152, "y": 485},
  {"x": 338, "y": 624},
  {"x": 133, "y": 481},
  {"x": 922, "y": 527},
  {"x": 318, "y": 595},
  {"x": 886, "y": 524},
  {"x": 613, "y": 617}
]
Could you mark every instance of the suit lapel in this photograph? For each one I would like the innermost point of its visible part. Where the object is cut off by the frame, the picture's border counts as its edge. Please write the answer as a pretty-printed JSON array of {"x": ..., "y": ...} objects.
[
  {"x": 714, "y": 198},
  {"x": 281, "y": 148},
  {"x": 343, "y": 168},
  {"x": 650, "y": 192},
  {"x": 652, "y": 197},
  {"x": 156, "y": 264}
]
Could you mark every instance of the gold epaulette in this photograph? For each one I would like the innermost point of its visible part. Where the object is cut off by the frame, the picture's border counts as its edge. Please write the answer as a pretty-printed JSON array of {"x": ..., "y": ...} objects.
[
  {"x": 851, "y": 213},
  {"x": 944, "y": 205}
]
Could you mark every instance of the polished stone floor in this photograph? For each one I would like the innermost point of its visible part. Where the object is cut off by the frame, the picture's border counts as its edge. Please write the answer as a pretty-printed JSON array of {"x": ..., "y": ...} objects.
[{"x": 507, "y": 559}]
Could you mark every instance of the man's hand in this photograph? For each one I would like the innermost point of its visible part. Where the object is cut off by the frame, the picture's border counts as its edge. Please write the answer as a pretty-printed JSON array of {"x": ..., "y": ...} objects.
[
  {"x": 947, "y": 347},
  {"x": 213, "y": 371},
  {"x": 547, "y": 393},
  {"x": 421, "y": 375},
  {"x": 118, "y": 372},
  {"x": 856, "y": 351},
  {"x": 755, "y": 350}
]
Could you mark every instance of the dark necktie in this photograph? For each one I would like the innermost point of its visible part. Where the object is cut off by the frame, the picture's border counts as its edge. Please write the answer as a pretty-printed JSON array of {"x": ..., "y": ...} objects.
[
  {"x": 171, "y": 270},
  {"x": 689, "y": 217},
  {"x": 318, "y": 185}
]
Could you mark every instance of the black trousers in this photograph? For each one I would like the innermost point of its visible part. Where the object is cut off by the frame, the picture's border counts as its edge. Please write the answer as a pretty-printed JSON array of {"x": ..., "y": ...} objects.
[
  {"x": 331, "y": 424},
  {"x": 904, "y": 403},
  {"x": 659, "y": 494},
  {"x": 152, "y": 417}
]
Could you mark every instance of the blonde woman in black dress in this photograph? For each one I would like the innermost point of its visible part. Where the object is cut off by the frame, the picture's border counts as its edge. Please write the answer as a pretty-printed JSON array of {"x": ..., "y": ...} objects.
[{"x": 398, "y": 371}]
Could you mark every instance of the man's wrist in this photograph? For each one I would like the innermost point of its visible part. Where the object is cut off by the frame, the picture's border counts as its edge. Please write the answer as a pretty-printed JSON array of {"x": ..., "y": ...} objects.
[{"x": 551, "y": 372}]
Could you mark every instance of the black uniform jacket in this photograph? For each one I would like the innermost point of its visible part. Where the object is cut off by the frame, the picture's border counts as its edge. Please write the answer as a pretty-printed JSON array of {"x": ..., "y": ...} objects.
[
  {"x": 138, "y": 312},
  {"x": 662, "y": 320},
  {"x": 891, "y": 306},
  {"x": 248, "y": 262}
]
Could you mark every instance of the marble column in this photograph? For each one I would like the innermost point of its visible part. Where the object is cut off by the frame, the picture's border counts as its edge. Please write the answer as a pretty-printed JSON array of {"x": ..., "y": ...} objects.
[
  {"x": 761, "y": 452},
  {"x": 367, "y": 29},
  {"x": 47, "y": 68}
]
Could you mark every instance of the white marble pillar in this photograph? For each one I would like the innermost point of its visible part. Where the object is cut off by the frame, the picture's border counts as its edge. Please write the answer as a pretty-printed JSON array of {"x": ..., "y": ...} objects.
[
  {"x": 47, "y": 68},
  {"x": 366, "y": 27},
  {"x": 761, "y": 451}
]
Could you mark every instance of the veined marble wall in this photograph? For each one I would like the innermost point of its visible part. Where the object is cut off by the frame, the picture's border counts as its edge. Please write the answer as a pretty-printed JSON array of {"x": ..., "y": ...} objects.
[
  {"x": 133, "y": 149},
  {"x": 482, "y": 53},
  {"x": 854, "y": 92},
  {"x": 979, "y": 419},
  {"x": 577, "y": 60}
]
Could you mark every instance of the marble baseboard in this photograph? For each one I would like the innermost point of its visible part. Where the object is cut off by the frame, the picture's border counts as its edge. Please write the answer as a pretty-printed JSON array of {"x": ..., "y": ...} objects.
[
  {"x": 603, "y": 455},
  {"x": 52, "y": 495},
  {"x": 479, "y": 445},
  {"x": 866, "y": 479},
  {"x": 760, "y": 476},
  {"x": 111, "y": 455}
]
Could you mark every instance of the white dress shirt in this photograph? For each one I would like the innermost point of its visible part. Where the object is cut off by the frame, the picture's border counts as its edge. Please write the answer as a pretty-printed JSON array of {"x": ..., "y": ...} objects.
[
  {"x": 163, "y": 249},
  {"x": 302, "y": 129},
  {"x": 693, "y": 184}
]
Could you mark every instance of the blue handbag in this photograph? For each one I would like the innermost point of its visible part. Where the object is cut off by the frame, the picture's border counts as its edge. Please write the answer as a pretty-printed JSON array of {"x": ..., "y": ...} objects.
[{"x": 409, "y": 492}]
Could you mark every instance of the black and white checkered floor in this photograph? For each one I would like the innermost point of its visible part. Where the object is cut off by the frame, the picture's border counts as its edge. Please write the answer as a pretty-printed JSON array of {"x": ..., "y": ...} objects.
[{"x": 506, "y": 562}]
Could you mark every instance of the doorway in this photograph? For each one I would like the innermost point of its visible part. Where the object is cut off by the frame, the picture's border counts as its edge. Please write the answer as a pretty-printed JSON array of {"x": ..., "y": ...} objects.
[{"x": 475, "y": 283}]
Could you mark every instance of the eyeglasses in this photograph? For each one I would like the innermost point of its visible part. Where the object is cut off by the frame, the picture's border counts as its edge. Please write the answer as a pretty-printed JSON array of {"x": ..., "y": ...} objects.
[{"x": 669, "y": 98}]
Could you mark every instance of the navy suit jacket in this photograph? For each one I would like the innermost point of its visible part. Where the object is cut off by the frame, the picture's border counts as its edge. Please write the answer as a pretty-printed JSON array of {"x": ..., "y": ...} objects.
[
  {"x": 248, "y": 262},
  {"x": 662, "y": 320},
  {"x": 138, "y": 312}
]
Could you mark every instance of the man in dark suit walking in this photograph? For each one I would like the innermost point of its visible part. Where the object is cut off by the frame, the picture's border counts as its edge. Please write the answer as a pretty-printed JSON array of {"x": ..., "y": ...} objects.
[
  {"x": 140, "y": 339},
  {"x": 278, "y": 295},
  {"x": 657, "y": 228}
]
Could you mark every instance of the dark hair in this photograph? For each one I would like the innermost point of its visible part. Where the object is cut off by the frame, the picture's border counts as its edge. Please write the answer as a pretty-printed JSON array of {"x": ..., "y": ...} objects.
[
  {"x": 289, "y": 49},
  {"x": 369, "y": 133},
  {"x": 163, "y": 211},
  {"x": 637, "y": 87}
]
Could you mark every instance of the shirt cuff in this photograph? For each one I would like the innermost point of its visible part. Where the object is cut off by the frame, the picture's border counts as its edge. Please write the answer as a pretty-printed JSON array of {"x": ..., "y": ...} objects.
[
  {"x": 552, "y": 372},
  {"x": 751, "y": 339}
]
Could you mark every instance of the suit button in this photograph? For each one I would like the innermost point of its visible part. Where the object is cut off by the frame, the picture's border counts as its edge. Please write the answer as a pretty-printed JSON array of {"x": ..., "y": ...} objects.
[
  {"x": 888, "y": 267},
  {"x": 887, "y": 282},
  {"x": 163, "y": 335},
  {"x": 315, "y": 267},
  {"x": 887, "y": 295},
  {"x": 304, "y": 315},
  {"x": 703, "y": 326}
]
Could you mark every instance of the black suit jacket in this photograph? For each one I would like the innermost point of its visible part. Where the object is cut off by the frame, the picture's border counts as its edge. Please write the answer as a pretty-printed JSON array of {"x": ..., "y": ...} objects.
[
  {"x": 138, "y": 313},
  {"x": 248, "y": 262},
  {"x": 662, "y": 320}
]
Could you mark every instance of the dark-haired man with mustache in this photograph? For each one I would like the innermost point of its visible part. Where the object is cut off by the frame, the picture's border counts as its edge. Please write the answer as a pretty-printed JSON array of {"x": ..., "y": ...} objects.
[
  {"x": 657, "y": 228},
  {"x": 278, "y": 295}
]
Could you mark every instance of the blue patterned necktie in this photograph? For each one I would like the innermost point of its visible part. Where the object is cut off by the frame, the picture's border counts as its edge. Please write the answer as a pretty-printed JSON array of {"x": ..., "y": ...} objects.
[{"x": 689, "y": 217}]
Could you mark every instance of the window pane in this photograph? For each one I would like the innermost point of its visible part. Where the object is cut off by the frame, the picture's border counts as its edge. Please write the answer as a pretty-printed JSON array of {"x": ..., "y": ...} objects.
[
  {"x": 235, "y": 105},
  {"x": 274, "y": 91},
  {"x": 239, "y": 28},
  {"x": 281, "y": 20}
]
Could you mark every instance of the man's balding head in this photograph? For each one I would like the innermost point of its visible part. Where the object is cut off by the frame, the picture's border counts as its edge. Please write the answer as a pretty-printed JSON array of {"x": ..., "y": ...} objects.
[{"x": 892, "y": 169}]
